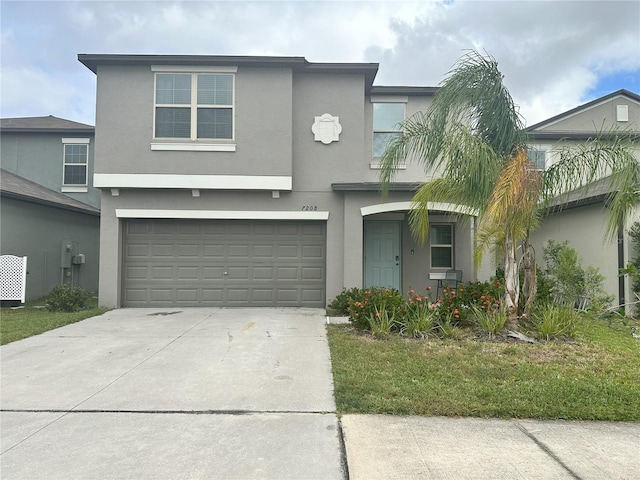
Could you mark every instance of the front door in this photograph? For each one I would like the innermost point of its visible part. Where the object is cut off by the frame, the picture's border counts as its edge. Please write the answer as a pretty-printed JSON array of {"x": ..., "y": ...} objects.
[{"x": 382, "y": 248}]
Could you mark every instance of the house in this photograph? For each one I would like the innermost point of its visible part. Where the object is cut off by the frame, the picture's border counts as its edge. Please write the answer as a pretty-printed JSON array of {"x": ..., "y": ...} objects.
[
  {"x": 50, "y": 210},
  {"x": 53, "y": 152},
  {"x": 584, "y": 216},
  {"x": 253, "y": 181},
  {"x": 58, "y": 234}
]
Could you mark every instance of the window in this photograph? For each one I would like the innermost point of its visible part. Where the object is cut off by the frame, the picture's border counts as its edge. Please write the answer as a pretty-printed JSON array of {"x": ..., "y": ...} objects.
[
  {"x": 441, "y": 242},
  {"x": 194, "y": 106},
  {"x": 75, "y": 162},
  {"x": 386, "y": 125},
  {"x": 538, "y": 158}
]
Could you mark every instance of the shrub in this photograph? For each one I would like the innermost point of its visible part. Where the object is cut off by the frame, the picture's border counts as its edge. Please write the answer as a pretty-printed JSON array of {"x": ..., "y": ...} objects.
[
  {"x": 491, "y": 322},
  {"x": 554, "y": 321},
  {"x": 573, "y": 283},
  {"x": 365, "y": 301},
  {"x": 484, "y": 295},
  {"x": 65, "y": 298},
  {"x": 340, "y": 304}
]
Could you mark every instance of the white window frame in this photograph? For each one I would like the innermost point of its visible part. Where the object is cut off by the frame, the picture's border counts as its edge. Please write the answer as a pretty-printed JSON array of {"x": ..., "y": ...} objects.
[
  {"x": 539, "y": 149},
  {"x": 404, "y": 116},
  {"x": 75, "y": 187},
  {"x": 193, "y": 143},
  {"x": 375, "y": 163},
  {"x": 442, "y": 245}
]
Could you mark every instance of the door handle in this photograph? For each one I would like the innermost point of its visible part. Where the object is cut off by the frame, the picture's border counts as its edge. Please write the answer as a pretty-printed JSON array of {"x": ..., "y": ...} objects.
[{"x": 397, "y": 258}]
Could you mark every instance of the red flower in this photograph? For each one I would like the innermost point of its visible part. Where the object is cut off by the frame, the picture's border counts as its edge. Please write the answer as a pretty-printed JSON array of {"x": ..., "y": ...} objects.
[{"x": 428, "y": 288}]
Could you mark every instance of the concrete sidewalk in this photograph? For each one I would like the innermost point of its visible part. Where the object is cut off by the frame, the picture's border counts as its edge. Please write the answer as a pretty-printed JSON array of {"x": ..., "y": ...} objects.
[{"x": 395, "y": 448}]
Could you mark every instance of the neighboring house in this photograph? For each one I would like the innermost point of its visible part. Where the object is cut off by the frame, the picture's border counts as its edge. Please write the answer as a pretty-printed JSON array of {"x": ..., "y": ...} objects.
[
  {"x": 584, "y": 215},
  {"x": 53, "y": 152},
  {"x": 58, "y": 234},
  {"x": 236, "y": 181},
  {"x": 48, "y": 200}
]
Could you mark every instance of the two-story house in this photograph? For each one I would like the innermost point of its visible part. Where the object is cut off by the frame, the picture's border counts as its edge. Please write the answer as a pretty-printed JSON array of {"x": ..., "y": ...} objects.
[
  {"x": 234, "y": 181},
  {"x": 584, "y": 215},
  {"x": 50, "y": 210}
]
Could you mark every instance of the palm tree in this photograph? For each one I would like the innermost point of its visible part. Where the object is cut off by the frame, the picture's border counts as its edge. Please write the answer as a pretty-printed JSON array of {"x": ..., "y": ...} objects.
[{"x": 473, "y": 139}]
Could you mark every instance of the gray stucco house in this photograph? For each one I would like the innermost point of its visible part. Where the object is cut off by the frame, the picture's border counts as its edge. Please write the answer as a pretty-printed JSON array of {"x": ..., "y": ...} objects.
[
  {"x": 49, "y": 208},
  {"x": 236, "y": 181},
  {"x": 584, "y": 216}
]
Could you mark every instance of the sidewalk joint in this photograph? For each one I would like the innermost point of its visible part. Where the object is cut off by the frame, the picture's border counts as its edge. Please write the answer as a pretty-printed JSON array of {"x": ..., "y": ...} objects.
[{"x": 547, "y": 450}]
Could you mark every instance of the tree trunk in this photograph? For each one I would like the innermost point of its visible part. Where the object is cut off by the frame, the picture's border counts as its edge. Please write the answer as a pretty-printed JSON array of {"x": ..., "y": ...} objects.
[
  {"x": 529, "y": 287},
  {"x": 511, "y": 281}
]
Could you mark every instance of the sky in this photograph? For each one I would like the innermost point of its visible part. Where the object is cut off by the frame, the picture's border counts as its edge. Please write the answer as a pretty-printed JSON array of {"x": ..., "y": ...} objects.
[{"x": 555, "y": 55}]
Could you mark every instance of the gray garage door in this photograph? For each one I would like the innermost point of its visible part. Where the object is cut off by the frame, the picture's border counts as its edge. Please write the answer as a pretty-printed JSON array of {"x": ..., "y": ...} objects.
[{"x": 223, "y": 263}]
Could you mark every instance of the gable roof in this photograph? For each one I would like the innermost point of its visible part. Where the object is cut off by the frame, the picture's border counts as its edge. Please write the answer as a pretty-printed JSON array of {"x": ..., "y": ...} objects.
[
  {"x": 43, "y": 124},
  {"x": 297, "y": 64},
  {"x": 586, "y": 106},
  {"x": 14, "y": 186}
]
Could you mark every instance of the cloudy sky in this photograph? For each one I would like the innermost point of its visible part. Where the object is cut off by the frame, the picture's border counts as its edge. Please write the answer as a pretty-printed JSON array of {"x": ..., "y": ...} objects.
[{"x": 555, "y": 55}]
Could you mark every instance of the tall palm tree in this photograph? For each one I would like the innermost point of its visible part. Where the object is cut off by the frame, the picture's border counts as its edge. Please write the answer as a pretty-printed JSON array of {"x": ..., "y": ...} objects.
[{"x": 473, "y": 140}]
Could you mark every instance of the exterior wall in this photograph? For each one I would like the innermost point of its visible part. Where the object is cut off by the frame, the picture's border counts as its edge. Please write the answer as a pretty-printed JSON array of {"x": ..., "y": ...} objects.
[
  {"x": 39, "y": 157},
  {"x": 263, "y": 128},
  {"x": 39, "y": 232},
  {"x": 584, "y": 228},
  {"x": 599, "y": 117},
  {"x": 316, "y": 165}
]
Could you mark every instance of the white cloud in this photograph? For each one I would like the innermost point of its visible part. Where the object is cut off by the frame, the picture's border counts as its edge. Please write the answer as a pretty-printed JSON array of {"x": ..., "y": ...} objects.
[{"x": 552, "y": 53}]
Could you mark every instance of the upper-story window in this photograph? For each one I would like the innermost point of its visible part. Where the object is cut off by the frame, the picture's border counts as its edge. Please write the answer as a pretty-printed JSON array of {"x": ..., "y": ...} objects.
[
  {"x": 194, "y": 106},
  {"x": 386, "y": 125},
  {"x": 538, "y": 158},
  {"x": 75, "y": 162}
]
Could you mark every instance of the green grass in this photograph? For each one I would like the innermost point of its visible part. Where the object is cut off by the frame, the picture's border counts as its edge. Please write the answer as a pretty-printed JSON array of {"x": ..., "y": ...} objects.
[
  {"x": 33, "y": 318},
  {"x": 596, "y": 377}
]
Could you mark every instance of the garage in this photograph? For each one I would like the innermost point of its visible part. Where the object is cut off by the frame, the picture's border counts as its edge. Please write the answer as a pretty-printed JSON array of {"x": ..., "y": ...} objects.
[{"x": 223, "y": 263}]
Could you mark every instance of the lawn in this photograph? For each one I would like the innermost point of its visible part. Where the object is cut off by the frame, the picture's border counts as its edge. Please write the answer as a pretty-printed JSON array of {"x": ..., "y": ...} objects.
[
  {"x": 595, "y": 377},
  {"x": 32, "y": 319}
]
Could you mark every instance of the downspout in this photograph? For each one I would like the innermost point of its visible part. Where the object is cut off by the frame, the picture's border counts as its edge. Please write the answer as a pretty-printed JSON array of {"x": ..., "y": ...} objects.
[{"x": 621, "y": 264}]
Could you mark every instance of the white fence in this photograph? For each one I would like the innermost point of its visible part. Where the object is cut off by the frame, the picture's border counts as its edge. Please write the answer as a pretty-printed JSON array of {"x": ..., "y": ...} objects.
[{"x": 13, "y": 278}]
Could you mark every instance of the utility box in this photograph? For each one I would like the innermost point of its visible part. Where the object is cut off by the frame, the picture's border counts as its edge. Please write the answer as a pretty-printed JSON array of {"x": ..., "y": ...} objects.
[
  {"x": 13, "y": 278},
  {"x": 78, "y": 259}
]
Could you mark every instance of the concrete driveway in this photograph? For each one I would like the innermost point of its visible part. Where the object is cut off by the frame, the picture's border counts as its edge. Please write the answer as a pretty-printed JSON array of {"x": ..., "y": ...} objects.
[{"x": 173, "y": 393}]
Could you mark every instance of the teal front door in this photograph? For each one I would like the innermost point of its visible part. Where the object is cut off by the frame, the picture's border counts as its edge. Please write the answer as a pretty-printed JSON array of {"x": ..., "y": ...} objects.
[{"x": 382, "y": 248}]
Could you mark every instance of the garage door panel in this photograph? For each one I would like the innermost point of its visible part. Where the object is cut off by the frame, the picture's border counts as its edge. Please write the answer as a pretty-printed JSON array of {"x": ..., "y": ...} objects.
[
  {"x": 312, "y": 273},
  {"x": 188, "y": 273},
  {"x": 212, "y": 295},
  {"x": 137, "y": 250},
  {"x": 211, "y": 273},
  {"x": 213, "y": 251},
  {"x": 161, "y": 294},
  {"x": 288, "y": 251},
  {"x": 312, "y": 251},
  {"x": 188, "y": 251},
  {"x": 162, "y": 250},
  {"x": 183, "y": 262},
  {"x": 161, "y": 273},
  {"x": 139, "y": 272},
  {"x": 241, "y": 251}
]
